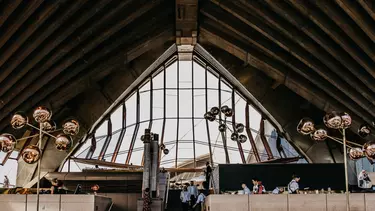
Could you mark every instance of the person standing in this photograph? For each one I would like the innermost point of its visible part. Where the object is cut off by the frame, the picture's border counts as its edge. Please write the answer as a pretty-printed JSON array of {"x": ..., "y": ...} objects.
[
  {"x": 193, "y": 190},
  {"x": 6, "y": 182},
  {"x": 293, "y": 187},
  {"x": 208, "y": 173},
  {"x": 185, "y": 199},
  {"x": 146, "y": 200}
]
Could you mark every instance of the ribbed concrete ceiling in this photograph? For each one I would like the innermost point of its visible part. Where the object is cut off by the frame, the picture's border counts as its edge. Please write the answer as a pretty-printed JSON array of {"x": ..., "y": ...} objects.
[{"x": 77, "y": 57}]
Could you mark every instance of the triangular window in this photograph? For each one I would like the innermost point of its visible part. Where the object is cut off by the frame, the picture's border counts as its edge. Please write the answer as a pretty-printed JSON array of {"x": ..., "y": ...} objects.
[{"x": 171, "y": 98}]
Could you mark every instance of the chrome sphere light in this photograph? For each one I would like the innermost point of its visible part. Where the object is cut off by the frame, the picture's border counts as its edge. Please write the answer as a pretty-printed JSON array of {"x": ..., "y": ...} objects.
[
  {"x": 242, "y": 138},
  {"x": 234, "y": 137},
  {"x": 240, "y": 127},
  {"x": 49, "y": 126},
  {"x": 224, "y": 109},
  {"x": 356, "y": 153},
  {"x": 215, "y": 111},
  {"x": 31, "y": 154},
  {"x": 306, "y": 126},
  {"x": 222, "y": 127},
  {"x": 19, "y": 120},
  {"x": 229, "y": 113},
  {"x": 369, "y": 149},
  {"x": 7, "y": 142},
  {"x": 209, "y": 116},
  {"x": 364, "y": 130},
  {"x": 42, "y": 114},
  {"x": 63, "y": 142},
  {"x": 346, "y": 120},
  {"x": 333, "y": 120},
  {"x": 320, "y": 134},
  {"x": 166, "y": 151},
  {"x": 71, "y": 127}
]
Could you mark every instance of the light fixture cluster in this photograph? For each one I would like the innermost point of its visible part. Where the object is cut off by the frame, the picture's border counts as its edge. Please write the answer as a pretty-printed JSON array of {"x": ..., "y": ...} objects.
[
  {"x": 42, "y": 115},
  {"x": 148, "y": 136},
  {"x": 339, "y": 121},
  {"x": 213, "y": 115}
]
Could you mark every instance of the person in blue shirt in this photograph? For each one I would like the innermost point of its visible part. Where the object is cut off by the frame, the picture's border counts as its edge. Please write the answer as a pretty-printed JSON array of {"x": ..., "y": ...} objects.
[{"x": 246, "y": 189}]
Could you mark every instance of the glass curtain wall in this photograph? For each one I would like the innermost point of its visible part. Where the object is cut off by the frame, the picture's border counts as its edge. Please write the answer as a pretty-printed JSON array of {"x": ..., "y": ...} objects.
[{"x": 172, "y": 102}]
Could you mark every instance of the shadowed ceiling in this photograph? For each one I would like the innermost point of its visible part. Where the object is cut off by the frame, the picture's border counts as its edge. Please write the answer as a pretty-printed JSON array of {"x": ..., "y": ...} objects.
[{"x": 298, "y": 58}]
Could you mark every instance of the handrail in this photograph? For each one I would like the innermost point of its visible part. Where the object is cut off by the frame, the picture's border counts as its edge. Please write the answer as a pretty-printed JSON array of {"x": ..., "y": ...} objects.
[
  {"x": 110, "y": 207},
  {"x": 166, "y": 194}
]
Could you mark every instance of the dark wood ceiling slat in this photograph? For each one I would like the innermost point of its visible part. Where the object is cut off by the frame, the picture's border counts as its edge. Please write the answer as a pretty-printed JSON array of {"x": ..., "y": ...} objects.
[
  {"x": 333, "y": 31},
  {"x": 348, "y": 26},
  {"x": 81, "y": 84},
  {"x": 16, "y": 24},
  {"x": 305, "y": 36},
  {"x": 369, "y": 6},
  {"x": 322, "y": 84},
  {"x": 302, "y": 65},
  {"x": 354, "y": 10},
  {"x": 47, "y": 48},
  {"x": 298, "y": 84},
  {"x": 9, "y": 8},
  {"x": 30, "y": 29},
  {"x": 76, "y": 55},
  {"x": 41, "y": 53}
]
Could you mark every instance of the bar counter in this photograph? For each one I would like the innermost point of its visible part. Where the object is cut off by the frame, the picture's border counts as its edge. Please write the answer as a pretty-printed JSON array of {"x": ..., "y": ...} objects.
[{"x": 291, "y": 202}]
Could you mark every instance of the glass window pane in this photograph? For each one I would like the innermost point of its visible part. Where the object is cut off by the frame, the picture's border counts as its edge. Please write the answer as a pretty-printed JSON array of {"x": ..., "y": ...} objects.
[
  {"x": 185, "y": 141},
  {"x": 185, "y": 103},
  {"x": 199, "y": 76},
  {"x": 171, "y": 75},
  {"x": 145, "y": 106},
  {"x": 112, "y": 145},
  {"x": 102, "y": 129},
  {"x": 124, "y": 148},
  {"x": 170, "y": 143},
  {"x": 255, "y": 118},
  {"x": 199, "y": 103},
  {"x": 99, "y": 145},
  {"x": 185, "y": 74},
  {"x": 10, "y": 170},
  {"x": 157, "y": 127},
  {"x": 131, "y": 110},
  {"x": 137, "y": 154},
  {"x": 212, "y": 98},
  {"x": 146, "y": 86},
  {"x": 158, "y": 81},
  {"x": 158, "y": 104},
  {"x": 212, "y": 81},
  {"x": 201, "y": 139},
  {"x": 117, "y": 119},
  {"x": 171, "y": 106},
  {"x": 84, "y": 149}
]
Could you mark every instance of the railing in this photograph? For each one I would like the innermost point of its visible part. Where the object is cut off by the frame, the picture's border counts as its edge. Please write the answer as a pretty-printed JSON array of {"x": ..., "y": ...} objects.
[
  {"x": 110, "y": 207},
  {"x": 166, "y": 194}
]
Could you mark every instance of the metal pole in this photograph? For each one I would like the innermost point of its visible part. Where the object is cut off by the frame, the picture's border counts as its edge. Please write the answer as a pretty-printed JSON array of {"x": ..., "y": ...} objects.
[
  {"x": 39, "y": 163},
  {"x": 346, "y": 172}
]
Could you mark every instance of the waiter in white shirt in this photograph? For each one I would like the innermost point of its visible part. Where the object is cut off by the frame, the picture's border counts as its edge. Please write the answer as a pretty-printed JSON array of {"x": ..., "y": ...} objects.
[
  {"x": 185, "y": 199},
  {"x": 200, "y": 201},
  {"x": 293, "y": 187},
  {"x": 193, "y": 190}
]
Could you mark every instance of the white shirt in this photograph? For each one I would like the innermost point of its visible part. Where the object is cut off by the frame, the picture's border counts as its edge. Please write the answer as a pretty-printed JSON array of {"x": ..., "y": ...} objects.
[
  {"x": 246, "y": 190},
  {"x": 185, "y": 196},
  {"x": 293, "y": 186},
  {"x": 201, "y": 198},
  {"x": 193, "y": 190}
]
